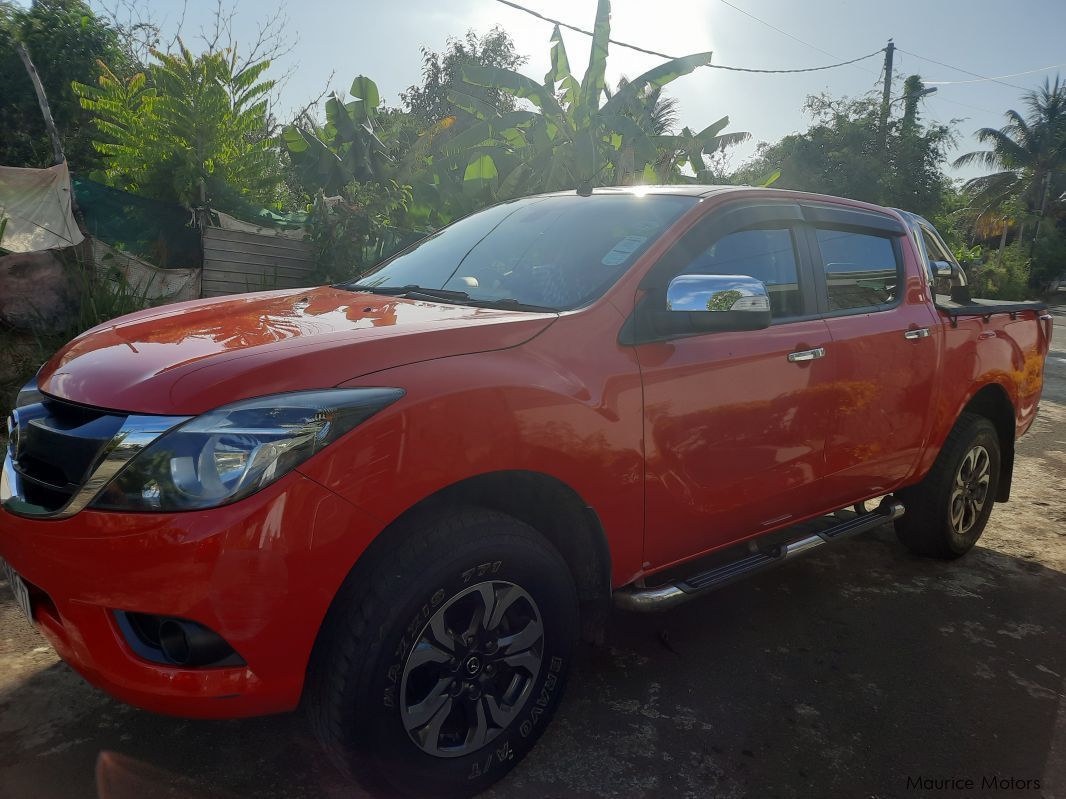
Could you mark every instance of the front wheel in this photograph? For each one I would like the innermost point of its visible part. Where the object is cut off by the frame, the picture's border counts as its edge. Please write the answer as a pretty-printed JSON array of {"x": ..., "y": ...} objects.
[
  {"x": 948, "y": 510},
  {"x": 440, "y": 668}
]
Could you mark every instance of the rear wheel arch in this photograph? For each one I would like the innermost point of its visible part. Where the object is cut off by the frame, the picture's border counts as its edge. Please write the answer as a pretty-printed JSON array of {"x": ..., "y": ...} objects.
[{"x": 993, "y": 403}]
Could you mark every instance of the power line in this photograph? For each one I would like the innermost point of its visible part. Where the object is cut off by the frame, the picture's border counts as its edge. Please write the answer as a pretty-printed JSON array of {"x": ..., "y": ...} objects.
[
  {"x": 782, "y": 32},
  {"x": 786, "y": 33},
  {"x": 568, "y": 26},
  {"x": 964, "y": 71},
  {"x": 788, "y": 71},
  {"x": 965, "y": 105},
  {"x": 996, "y": 78}
]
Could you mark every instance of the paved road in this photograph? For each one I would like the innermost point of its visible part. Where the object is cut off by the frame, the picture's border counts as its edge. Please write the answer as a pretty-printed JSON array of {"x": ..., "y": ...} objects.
[{"x": 840, "y": 676}]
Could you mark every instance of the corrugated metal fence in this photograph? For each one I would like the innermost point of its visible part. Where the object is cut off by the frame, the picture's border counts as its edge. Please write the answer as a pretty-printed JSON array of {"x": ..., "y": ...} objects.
[{"x": 235, "y": 261}]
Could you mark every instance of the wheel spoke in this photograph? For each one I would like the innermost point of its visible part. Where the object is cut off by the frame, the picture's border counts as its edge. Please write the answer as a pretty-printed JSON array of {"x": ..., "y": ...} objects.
[
  {"x": 501, "y": 714},
  {"x": 477, "y": 736},
  {"x": 480, "y": 621},
  {"x": 527, "y": 659},
  {"x": 523, "y": 639},
  {"x": 438, "y": 631},
  {"x": 965, "y": 468},
  {"x": 422, "y": 713},
  {"x": 427, "y": 651},
  {"x": 957, "y": 510},
  {"x": 429, "y": 733},
  {"x": 505, "y": 598}
]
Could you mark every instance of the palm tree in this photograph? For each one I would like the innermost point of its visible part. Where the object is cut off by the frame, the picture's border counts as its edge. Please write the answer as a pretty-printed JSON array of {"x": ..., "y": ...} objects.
[
  {"x": 1029, "y": 153},
  {"x": 655, "y": 112}
]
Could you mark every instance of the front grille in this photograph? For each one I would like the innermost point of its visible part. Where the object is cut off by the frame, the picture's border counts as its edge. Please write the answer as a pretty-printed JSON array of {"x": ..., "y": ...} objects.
[{"x": 55, "y": 448}]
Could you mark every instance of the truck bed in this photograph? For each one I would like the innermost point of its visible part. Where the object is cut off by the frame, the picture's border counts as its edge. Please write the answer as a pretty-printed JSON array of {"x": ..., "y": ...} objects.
[{"x": 975, "y": 307}]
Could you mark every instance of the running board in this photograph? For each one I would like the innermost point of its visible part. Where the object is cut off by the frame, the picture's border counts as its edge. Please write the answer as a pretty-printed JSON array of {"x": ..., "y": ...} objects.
[{"x": 678, "y": 591}]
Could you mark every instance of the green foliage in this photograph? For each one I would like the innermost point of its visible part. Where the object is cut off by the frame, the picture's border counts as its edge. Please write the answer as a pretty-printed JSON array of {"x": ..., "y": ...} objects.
[
  {"x": 654, "y": 112},
  {"x": 346, "y": 148},
  {"x": 1002, "y": 276},
  {"x": 723, "y": 300},
  {"x": 841, "y": 154},
  {"x": 1029, "y": 154},
  {"x": 1028, "y": 186},
  {"x": 577, "y": 136},
  {"x": 441, "y": 73},
  {"x": 690, "y": 150},
  {"x": 65, "y": 40},
  {"x": 191, "y": 129},
  {"x": 1049, "y": 256},
  {"x": 349, "y": 232}
]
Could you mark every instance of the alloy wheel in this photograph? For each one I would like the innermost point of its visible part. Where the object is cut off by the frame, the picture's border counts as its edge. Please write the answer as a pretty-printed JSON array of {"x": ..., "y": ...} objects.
[
  {"x": 472, "y": 669},
  {"x": 970, "y": 490}
]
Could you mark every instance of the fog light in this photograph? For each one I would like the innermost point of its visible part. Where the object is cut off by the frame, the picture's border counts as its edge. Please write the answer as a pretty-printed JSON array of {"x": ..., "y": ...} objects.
[{"x": 175, "y": 642}]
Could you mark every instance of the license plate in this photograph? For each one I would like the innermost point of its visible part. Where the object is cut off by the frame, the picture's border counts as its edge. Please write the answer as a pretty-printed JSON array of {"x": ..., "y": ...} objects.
[{"x": 18, "y": 588}]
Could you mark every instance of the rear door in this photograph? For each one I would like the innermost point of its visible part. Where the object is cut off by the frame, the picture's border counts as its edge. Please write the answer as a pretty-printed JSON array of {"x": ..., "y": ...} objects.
[
  {"x": 875, "y": 299},
  {"x": 734, "y": 431}
]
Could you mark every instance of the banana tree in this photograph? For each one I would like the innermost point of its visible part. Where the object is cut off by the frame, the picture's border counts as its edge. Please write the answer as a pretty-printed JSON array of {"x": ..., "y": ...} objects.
[
  {"x": 346, "y": 148},
  {"x": 688, "y": 150},
  {"x": 572, "y": 138}
]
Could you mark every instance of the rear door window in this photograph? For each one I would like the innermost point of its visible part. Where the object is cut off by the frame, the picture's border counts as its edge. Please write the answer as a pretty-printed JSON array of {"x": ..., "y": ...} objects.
[{"x": 861, "y": 269}]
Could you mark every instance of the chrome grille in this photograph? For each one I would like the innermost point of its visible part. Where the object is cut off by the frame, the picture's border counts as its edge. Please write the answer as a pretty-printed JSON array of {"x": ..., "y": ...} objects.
[
  {"x": 54, "y": 447},
  {"x": 60, "y": 455}
]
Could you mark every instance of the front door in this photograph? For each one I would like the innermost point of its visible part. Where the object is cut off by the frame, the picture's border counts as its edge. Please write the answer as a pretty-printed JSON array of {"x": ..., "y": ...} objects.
[{"x": 734, "y": 430}]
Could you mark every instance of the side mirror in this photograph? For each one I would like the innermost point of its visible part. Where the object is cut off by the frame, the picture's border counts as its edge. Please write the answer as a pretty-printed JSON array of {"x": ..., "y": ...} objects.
[
  {"x": 711, "y": 303},
  {"x": 946, "y": 270}
]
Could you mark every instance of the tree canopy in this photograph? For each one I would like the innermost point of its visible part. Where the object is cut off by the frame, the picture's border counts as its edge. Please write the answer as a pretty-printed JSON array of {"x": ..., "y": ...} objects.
[
  {"x": 194, "y": 129},
  {"x": 442, "y": 72},
  {"x": 1028, "y": 154},
  {"x": 66, "y": 41},
  {"x": 841, "y": 154}
]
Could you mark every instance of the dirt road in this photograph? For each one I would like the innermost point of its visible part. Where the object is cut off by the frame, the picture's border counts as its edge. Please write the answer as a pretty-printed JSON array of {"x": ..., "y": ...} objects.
[{"x": 862, "y": 672}]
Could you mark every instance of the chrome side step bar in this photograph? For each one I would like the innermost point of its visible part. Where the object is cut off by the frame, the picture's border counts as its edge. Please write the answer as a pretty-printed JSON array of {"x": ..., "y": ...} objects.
[{"x": 678, "y": 591}]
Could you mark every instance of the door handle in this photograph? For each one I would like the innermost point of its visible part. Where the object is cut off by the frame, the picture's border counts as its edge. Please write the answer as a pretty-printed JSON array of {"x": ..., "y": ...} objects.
[
  {"x": 921, "y": 332},
  {"x": 806, "y": 355}
]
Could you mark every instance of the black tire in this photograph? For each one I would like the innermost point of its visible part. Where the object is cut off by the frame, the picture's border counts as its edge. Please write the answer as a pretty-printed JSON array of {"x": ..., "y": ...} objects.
[
  {"x": 362, "y": 687},
  {"x": 933, "y": 525}
]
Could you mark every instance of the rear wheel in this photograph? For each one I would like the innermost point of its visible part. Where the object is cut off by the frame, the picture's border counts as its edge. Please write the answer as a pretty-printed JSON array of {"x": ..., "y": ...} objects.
[
  {"x": 439, "y": 670},
  {"x": 948, "y": 510}
]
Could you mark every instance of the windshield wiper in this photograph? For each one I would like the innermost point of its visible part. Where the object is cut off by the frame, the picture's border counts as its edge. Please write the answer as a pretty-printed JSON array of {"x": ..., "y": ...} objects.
[
  {"x": 454, "y": 297},
  {"x": 511, "y": 304}
]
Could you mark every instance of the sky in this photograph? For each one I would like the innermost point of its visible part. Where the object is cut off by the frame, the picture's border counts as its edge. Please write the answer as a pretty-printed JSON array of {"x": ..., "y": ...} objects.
[{"x": 383, "y": 39}]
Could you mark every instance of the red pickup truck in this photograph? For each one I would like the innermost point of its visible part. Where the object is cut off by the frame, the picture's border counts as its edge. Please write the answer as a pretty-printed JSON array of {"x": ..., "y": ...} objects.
[{"x": 401, "y": 501}]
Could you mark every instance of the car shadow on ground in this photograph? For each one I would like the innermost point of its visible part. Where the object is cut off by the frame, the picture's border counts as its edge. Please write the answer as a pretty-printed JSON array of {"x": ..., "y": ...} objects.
[{"x": 845, "y": 674}]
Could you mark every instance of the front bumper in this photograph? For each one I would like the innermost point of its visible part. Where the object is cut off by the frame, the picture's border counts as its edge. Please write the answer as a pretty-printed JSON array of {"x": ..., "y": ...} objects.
[{"x": 261, "y": 573}]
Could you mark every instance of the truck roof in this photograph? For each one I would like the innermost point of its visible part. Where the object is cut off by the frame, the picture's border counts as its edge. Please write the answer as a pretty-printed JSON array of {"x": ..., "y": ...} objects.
[{"x": 707, "y": 190}]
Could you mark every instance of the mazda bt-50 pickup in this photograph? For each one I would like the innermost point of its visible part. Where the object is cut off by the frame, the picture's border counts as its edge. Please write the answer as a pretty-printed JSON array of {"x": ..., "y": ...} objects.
[{"x": 400, "y": 501}]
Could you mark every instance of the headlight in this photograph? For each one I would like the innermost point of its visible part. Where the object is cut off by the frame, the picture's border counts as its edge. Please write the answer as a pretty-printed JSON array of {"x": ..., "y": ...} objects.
[{"x": 233, "y": 451}]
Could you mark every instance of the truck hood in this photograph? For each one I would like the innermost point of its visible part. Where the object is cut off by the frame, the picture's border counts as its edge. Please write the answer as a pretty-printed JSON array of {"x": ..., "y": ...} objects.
[{"x": 190, "y": 357}]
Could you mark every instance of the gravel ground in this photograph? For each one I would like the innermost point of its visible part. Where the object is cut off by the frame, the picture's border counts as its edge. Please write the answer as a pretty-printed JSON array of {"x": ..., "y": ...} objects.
[{"x": 852, "y": 673}]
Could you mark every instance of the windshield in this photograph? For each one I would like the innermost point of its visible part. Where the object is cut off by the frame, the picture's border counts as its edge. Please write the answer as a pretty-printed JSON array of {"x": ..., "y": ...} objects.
[{"x": 558, "y": 252}]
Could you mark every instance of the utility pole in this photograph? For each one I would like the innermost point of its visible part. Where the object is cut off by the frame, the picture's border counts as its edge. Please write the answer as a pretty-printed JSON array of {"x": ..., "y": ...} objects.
[
  {"x": 886, "y": 96},
  {"x": 42, "y": 100}
]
